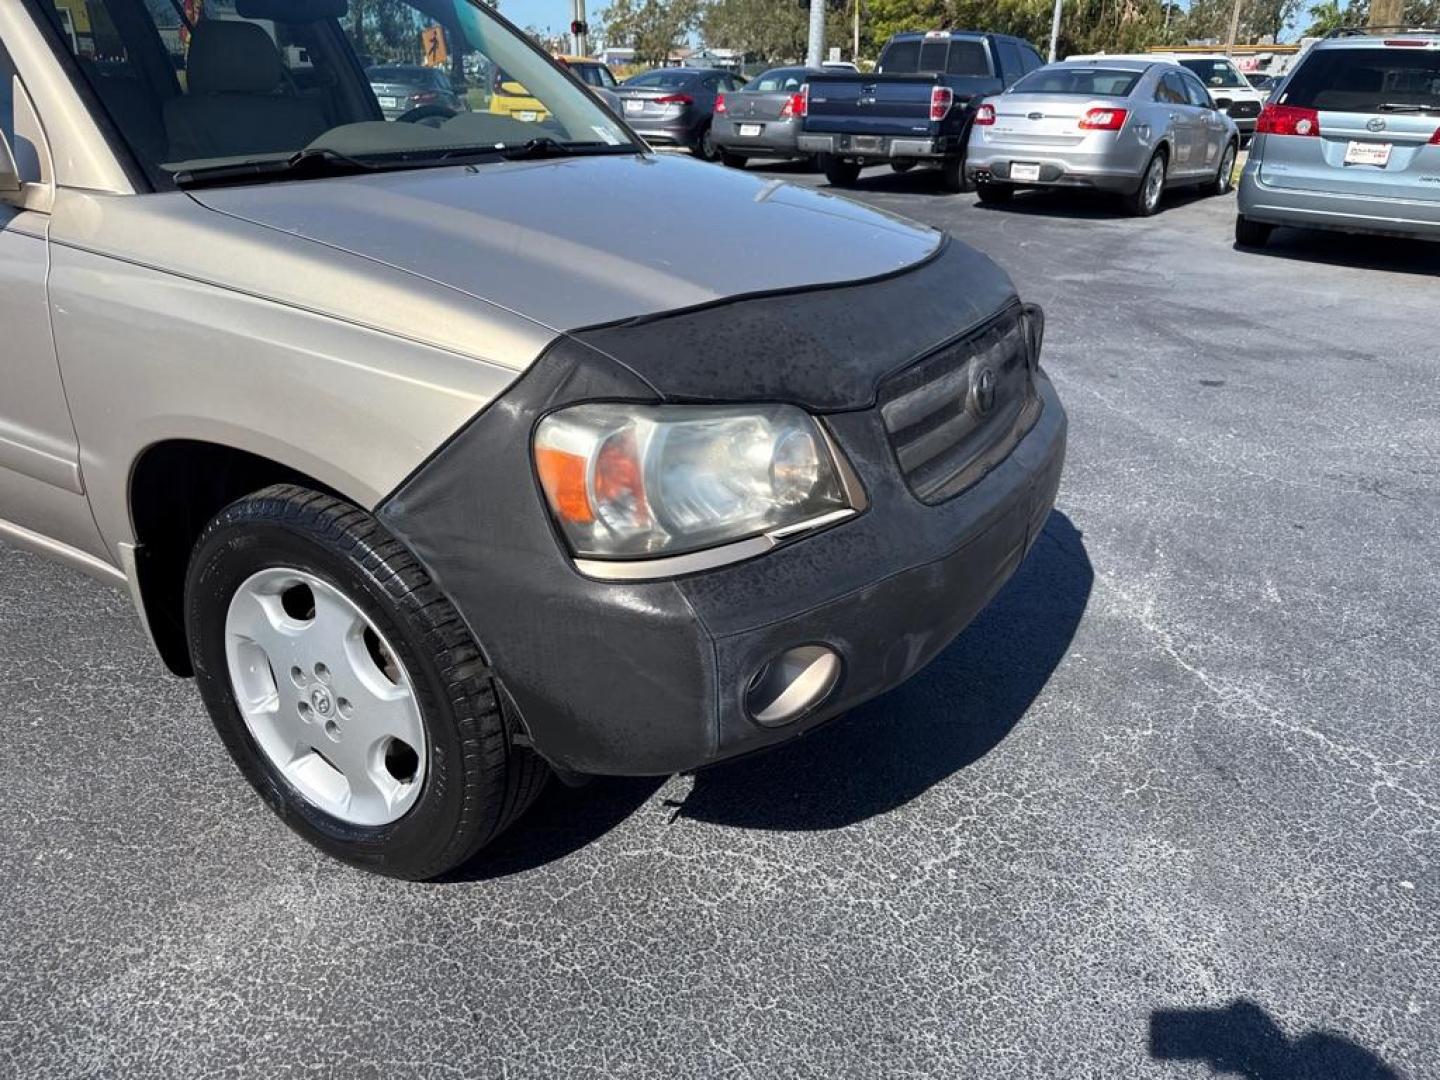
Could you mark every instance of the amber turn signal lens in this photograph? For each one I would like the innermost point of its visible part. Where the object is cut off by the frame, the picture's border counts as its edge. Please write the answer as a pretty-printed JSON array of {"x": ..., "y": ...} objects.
[{"x": 562, "y": 476}]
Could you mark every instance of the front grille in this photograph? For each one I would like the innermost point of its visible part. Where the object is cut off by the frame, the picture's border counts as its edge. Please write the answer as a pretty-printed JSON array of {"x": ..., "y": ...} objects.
[
  {"x": 1244, "y": 110},
  {"x": 955, "y": 414}
]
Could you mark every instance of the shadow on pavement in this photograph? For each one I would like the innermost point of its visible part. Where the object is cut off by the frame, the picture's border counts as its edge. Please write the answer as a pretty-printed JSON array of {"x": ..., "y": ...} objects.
[
  {"x": 563, "y": 821},
  {"x": 1242, "y": 1040},
  {"x": 1388, "y": 253},
  {"x": 1082, "y": 205},
  {"x": 893, "y": 749}
]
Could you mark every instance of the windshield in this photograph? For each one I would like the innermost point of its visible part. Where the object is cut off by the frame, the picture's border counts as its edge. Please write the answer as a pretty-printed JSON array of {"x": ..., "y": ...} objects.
[
  {"x": 1217, "y": 74},
  {"x": 778, "y": 80},
  {"x": 661, "y": 79},
  {"x": 1085, "y": 82},
  {"x": 1367, "y": 80},
  {"x": 228, "y": 85}
]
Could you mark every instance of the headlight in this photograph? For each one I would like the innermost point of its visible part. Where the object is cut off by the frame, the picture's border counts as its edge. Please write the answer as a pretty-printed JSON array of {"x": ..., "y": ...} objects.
[{"x": 628, "y": 481}]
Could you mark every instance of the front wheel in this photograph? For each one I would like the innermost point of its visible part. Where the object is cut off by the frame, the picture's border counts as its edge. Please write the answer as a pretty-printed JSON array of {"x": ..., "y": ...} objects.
[
  {"x": 1225, "y": 175},
  {"x": 348, "y": 689},
  {"x": 1250, "y": 233},
  {"x": 838, "y": 171},
  {"x": 1146, "y": 199}
]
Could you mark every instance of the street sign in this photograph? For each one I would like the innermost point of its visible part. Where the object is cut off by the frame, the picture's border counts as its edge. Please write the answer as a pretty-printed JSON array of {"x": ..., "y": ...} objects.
[{"x": 432, "y": 46}]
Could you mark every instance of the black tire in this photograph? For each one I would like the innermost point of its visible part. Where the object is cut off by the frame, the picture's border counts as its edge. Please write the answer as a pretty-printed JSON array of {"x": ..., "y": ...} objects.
[
  {"x": 477, "y": 782},
  {"x": 732, "y": 161},
  {"x": 838, "y": 171},
  {"x": 902, "y": 166},
  {"x": 1223, "y": 183},
  {"x": 952, "y": 175},
  {"x": 1145, "y": 201},
  {"x": 705, "y": 148},
  {"x": 1250, "y": 233},
  {"x": 992, "y": 194}
]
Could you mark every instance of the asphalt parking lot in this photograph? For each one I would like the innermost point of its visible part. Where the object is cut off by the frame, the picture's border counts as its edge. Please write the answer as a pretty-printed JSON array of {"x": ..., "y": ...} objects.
[{"x": 1170, "y": 806}]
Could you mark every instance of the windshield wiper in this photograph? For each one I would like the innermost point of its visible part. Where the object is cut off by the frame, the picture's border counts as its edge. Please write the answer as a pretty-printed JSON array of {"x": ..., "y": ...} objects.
[
  {"x": 313, "y": 162},
  {"x": 1400, "y": 107},
  {"x": 544, "y": 146}
]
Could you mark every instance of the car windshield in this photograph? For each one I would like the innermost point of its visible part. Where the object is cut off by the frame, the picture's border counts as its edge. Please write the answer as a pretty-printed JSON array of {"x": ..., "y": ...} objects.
[
  {"x": 235, "y": 91},
  {"x": 1217, "y": 74},
  {"x": 778, "y": 80},
  {"x": 661, "y": 79},
  {"x": 1367, "y": 80},
  {"x": 1085, "y": 82}
]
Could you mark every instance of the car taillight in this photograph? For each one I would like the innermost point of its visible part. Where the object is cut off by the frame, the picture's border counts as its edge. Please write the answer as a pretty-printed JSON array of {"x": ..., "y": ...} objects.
[
  {"x": 941, "y": 98},
  {"x": 804, "y": 100},
  {"x": 985, "y": 116},
  {"x": 1435, "y": 139},
  {"x": 1103, "y": 120},
  {"x": 1287, "y": 120},
  {"x": 720, "y": 104},
  {"x": 794, "y": 107},
  {"x": 675, "y": 99}
]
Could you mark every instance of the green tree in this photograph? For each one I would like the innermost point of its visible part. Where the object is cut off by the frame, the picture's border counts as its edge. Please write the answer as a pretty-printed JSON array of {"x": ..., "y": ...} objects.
[
  {"x": 766, "y": 31},
  {"x": 651, "y": 27}
]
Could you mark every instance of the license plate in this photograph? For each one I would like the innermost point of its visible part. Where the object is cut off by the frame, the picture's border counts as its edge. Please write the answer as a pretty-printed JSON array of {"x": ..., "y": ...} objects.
[
  {"x": 634, "y": 106},
  {"x": 866, "y": 142},
  {"x": 1024, "y": 170},
  {"x": 1368, "y": 153},
  {"x": 389, "y": 103},
  {"x": 527, "y": 115},
  {"x": 750, "y": 131}
]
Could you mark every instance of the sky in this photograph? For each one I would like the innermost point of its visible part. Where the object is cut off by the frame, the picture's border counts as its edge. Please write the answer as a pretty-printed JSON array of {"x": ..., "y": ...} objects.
[{"x": 541, "y": 14}]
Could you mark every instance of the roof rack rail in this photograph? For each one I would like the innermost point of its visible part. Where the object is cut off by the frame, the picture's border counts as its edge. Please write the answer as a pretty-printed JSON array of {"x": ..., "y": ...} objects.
[{"x": 1366, "y": 31}]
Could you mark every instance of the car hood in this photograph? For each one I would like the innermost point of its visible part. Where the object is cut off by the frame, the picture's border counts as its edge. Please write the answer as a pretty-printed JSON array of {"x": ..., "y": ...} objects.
[{"x": 576, "y": 242}]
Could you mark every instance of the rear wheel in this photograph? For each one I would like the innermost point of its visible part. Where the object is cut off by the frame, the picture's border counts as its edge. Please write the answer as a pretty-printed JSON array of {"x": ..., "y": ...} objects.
[
  {"x": 348, "y": 689},
  {"x": 1225, "y": 174},
  {"x": 952, "y": 174},
  {"x": 1250, "y": 233},
  {"x": 732, "y": 161},
  {"x": 992, "y": 194},
  {"x": 838, "y": 171},
  {"x": 1146, "y": 199}
]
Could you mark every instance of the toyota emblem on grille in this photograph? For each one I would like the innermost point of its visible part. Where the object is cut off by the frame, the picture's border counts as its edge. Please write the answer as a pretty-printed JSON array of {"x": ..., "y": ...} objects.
[
  {"x": 1376, "y": 124},
  {"x": 982, "y": 392}
]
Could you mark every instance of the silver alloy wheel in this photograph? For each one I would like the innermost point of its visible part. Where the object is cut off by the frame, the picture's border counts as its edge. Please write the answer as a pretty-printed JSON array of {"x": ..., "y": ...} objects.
[
  {"x": 1154, "y": 183},
  {"x": 325, "y": 697},
  {"x": 1227, "y": 169}
]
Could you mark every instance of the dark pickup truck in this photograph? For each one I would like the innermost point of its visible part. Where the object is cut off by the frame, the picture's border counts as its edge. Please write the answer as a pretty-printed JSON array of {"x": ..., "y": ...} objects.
[{"x": 916, "y": 107}]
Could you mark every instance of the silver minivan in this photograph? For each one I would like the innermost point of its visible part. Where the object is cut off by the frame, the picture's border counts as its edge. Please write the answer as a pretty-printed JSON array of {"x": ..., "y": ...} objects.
[
  {"x": 1350, "y": 141},
  {"x": 421, "y": 448}
]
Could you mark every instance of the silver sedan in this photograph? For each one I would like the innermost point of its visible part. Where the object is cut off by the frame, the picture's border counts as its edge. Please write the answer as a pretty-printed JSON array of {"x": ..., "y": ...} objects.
[{"x": 1130, "y": 127}]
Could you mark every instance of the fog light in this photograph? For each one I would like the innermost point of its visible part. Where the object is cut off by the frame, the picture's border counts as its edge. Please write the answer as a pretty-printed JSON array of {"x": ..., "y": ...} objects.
[{"x": 792, "y": 684}]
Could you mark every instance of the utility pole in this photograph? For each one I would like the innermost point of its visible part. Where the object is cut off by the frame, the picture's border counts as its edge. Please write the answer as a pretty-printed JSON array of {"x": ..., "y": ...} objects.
[
  {"x": 855, "y": 50},
  {"x": 1055, "y": 29},
  {"x": 1234, "y": 28},
  {"x": 580, "y": 37},
  {"x": 815, "y": 47}
]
